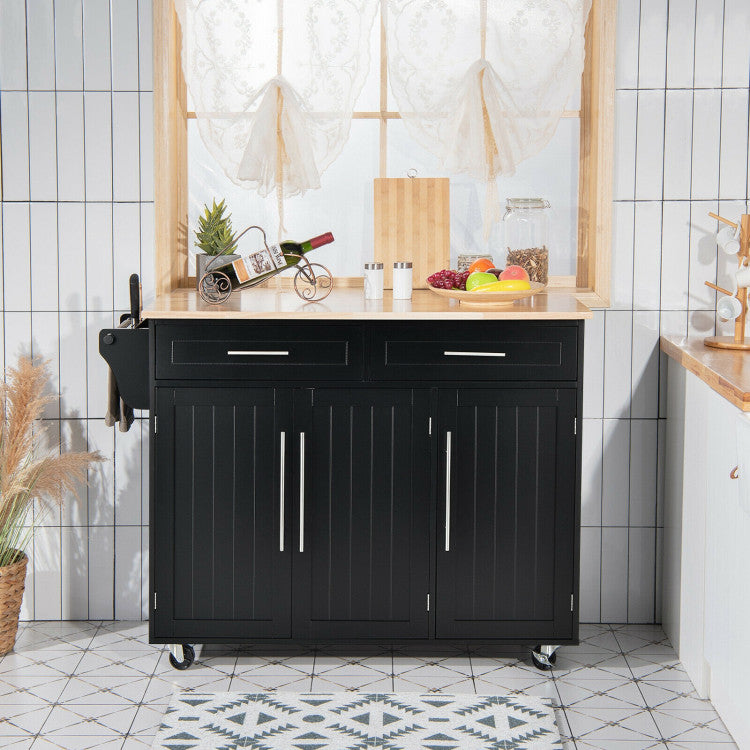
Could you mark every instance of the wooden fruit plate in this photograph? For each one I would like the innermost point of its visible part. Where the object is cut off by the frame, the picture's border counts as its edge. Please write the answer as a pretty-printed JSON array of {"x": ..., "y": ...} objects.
[{"x": 489, "y": 299}]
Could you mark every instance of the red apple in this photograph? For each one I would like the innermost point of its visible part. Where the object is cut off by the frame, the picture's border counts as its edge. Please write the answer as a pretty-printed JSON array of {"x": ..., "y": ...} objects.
[{"x": 514, "y": 272}]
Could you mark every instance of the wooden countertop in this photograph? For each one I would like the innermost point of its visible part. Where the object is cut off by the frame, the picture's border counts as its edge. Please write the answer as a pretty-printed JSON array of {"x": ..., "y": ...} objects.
[
  {"x": 350, "y": 304},
  {"x": 725, "y": 371}
]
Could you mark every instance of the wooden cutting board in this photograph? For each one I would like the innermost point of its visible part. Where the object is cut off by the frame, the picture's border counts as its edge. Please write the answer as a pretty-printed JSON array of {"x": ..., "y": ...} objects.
[{"x": 412, "y": 222}]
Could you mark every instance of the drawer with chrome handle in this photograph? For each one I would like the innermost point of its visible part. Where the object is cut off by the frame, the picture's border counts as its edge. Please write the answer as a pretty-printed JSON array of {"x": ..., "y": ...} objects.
[
  {"x": 258, "y": 351},
  {"x": 509, "y": 351}
]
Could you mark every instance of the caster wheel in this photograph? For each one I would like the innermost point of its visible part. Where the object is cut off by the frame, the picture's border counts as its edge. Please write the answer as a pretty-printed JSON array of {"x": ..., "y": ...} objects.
[
  {"x": 541, "y": 661},
  {"x": 188, "y": 657}
]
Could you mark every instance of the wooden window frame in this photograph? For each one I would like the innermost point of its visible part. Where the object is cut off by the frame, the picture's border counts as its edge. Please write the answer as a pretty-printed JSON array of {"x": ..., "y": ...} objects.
[{"x": 592, "y": 281}]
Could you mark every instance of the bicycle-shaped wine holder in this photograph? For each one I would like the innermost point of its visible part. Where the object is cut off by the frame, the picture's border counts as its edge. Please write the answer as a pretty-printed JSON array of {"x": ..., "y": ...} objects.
[{"x": 312, "y": 281}]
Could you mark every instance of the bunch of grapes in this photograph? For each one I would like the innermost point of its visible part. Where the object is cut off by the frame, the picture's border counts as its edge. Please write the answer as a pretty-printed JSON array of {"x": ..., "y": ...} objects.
[{"x": 448, "y": 279}]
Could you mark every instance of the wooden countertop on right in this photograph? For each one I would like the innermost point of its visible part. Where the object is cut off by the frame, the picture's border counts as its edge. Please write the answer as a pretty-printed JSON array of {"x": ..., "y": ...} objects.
[{"x": 725, "y": 371}]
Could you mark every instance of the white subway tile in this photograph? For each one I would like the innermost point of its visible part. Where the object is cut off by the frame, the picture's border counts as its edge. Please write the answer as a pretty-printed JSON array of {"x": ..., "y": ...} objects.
[
  {"x": 69, "y": 45},
  {"x": 649, "y": 164},
  {"x": 593, "y": 366},
  {"x": 734, "y": 144},
  {"x": 614, "y": 585},
  {"x": 101, "y": 489},
  {"x": 99, "y": 256},
  {"x": 125, "y": 45},
  {"x": 128, "y": 477},
  {"x": 703, "y": 250},
  {"x": 591, "y": 472},
  {"x": 641, "y": 575},
  {"x": 709, "y": 22},
  {"x": 16, "y": 256},
  {"x": 590, "y": 584},
  {"x": 97, "y": 369},
  {"x": 618, "y": 333},
  {"x": 626, "y": 111},
  {"x": 27, "y": 603},
  {"x": 74, "y": 437},
  {"x": 615, "y": 472},
  {"x": 701, "y": 323},
  {"x": 14, "y": 113},
  {"x": 675, "y": 255},
  {"x": 680, "y": 47},
  {"x": 71, "y": 175},
  {"x": 125, "y": 147},
  {"x": 98, "y": 145},
  {"x": 72, "y": 364},
  {"x": 626, "y": 66},
  {"x": 736, "y": 62},
  {"x": 12, "y": 46},
  {"x": 623, "y": 219},
  {"x": 45, "y": 338},
  {"x": 71, "y": 219},
  {"x": 47, "y": 559},
  {"x": 43, "y": 224},
  {"x": 96, "y": 46},
  {"x": 17, "y": 336},
  {"x": 128, "y": 571},
  {"x": 643, "y": 473},
  {"x": 659, "y": 587},
  {"x": 127, "y": 242},
  {"x": 40, "y": 38},
  {"x": 75, "y": 573},
  {"x": 147, "y": 146},
  {"x": 661, "y": 437},
  {"x": 148, "y": 285},
  {"x": 673, "y": 323},
  {"x": 647, "y": 258},
  {"x": 145, "y": 598},
  {"x": 645, "y": 386},
  {"x": 678, "y": 144},
  {"x": 652, "y": 54},
  {"x": 42, "y": 146},
  {"x": 706, "y": 139},
  {"x": 101, "y": 572},
  {"x": 144, "y": 427},
  {"x": 145, "y": 45}
]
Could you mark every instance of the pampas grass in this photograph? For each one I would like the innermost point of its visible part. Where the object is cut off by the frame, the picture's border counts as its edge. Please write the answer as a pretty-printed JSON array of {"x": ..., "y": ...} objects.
[{"x": 24, "y": 474}]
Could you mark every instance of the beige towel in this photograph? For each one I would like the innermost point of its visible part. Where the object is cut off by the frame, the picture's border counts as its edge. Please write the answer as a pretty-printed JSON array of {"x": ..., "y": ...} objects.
[{"x": 117, "y": 409}]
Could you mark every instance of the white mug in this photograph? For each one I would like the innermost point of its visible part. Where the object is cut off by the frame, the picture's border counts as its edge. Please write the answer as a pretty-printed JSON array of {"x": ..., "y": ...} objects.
[
  {"x": 728, "y": 308},
  {"x": 728, "y": 240},
  {"x": 743, "y": 277}
]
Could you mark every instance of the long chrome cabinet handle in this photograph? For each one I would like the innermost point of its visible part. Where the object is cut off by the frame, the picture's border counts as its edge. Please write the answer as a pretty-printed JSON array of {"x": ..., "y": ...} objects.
[
  {"x": 257, "y": 353},
  {"x": 302, "y": 492},
  {"x": 448, "y": 491},
  {"x": 282, "y": 472},
  {"x": 473, "y": 354}
]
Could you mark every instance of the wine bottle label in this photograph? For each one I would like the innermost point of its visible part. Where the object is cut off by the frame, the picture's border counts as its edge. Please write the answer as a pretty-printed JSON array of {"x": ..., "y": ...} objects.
[{"x": 249, "y": 267}]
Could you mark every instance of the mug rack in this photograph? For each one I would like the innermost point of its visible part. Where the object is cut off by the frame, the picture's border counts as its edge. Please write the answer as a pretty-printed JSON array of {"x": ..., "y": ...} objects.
[{"x": 741, "y": 235}]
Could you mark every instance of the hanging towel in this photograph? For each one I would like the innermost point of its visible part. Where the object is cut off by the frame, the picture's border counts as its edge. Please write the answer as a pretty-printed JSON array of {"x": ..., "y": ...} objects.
[
  {"x": 743, "y": 460},
  {"x": 117, "y": 409}
]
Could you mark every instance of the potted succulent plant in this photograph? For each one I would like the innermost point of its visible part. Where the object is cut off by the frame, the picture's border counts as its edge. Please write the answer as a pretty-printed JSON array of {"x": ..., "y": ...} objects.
[
  {"x": 26, "y": 475},
  {"x": 213, "y": 237}
]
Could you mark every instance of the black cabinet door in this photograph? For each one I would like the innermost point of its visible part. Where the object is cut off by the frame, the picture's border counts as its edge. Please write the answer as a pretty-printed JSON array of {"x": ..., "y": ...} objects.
[
  {"x": 506, "y": 514},
  {"x": 363, "y": 475},
  {"x": 223, "y": 528}
]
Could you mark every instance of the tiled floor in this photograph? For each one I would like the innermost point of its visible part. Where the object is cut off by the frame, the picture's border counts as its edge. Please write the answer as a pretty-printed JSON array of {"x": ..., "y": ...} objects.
[{"x": 100, "y": 685}]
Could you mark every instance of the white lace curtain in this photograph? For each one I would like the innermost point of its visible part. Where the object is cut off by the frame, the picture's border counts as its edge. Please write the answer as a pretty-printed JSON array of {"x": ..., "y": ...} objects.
[{"x": 480, "y": 84}]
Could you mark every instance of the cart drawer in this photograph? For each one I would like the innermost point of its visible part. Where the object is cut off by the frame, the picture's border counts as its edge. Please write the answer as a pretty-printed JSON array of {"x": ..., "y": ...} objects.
[
  {"x": 258, "y": 351},
  {"x": 516, "y": 351}
]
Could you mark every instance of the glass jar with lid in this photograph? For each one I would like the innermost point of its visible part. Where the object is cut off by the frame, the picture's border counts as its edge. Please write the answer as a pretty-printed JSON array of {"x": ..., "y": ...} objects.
[{"x": 526, "y": 229}]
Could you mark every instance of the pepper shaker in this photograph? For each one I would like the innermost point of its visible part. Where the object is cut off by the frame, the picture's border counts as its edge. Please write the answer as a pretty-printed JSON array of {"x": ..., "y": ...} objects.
[
  {"x": 402, "y": 281},
  {"x": 373, "y": 281}
]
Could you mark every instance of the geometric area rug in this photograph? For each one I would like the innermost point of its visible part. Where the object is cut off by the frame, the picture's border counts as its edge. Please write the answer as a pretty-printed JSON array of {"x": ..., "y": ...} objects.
[{"x": 357, "y": 721}]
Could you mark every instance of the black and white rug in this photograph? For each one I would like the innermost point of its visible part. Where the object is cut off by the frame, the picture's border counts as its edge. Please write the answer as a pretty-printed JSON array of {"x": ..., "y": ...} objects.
[{"x": 350, "y": 721}]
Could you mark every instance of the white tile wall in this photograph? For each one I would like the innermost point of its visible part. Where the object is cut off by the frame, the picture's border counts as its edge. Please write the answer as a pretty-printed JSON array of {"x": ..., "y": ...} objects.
[{"x": 77, "y": 190}]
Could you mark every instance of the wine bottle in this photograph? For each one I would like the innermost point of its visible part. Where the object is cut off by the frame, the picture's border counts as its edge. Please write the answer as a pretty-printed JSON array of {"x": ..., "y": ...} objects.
[{"x": 262, "y": 264}]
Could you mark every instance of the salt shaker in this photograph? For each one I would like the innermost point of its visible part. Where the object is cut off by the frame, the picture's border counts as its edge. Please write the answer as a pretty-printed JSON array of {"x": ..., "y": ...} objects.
[
  {"x": 373, "y": 281},
  {"x": 402, "y": 280}
]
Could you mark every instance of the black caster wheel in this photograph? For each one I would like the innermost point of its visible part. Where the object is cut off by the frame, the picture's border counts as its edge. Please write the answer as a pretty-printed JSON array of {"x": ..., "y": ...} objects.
[
  {"x": 542, "y": 662},
  {"x": 188, "y": 654}
]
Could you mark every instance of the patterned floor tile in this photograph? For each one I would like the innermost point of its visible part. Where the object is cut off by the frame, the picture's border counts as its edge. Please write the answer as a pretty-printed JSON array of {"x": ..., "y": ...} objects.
[
  {"x": 379, "y": 664},
  {"x": 599, "y": 666},
  {"x": 138, "y": 742},
  {"x": 79, "y": 719},
  {"x": 83, "y": 742},
  {"x": 261, "y": 684},
  {"x": 148, "y": 719},
  {"x": 123, "y": 636},
  {"x": 673, "y": 694},
  {"x": 541, "y": 688},
  {"x": 17, "y": 743},
  {"x": 160, "y": 689},
  {"x": 656, "y": 668},
  {"x": 40, "y": 690},
  {"x": 409, "y": 684},
  {"x": 219, "y": 664},
  {"x": 351, "y": 683},
  {"x": 53, "y": 634},
  {"x": 275, "y": 666},
  {"x": 107, "y": 663},
  {"x": 718, "y": 745},
  {"x": 644, "y": 744},
  {"x": 607, "y": 693},
  {"x": 22, "y": 720},
  {"x": 597, "y": 724},
  {"x": 690, "y": 726},
  {"x": 53, "y": 664},
  {"x": 103, "y": 690},
  {"x": 593, "y": 641},
  {"x": 502, "y": 668}
]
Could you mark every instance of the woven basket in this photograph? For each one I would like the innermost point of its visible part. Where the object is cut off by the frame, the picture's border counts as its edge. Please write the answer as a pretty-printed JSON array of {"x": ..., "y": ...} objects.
[{"x": 12, "y": 582}]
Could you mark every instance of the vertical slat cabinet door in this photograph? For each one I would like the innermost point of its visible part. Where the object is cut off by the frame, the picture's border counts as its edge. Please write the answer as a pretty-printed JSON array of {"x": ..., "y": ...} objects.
[
  {"x": 223, "y": 530},
  {"x": 362, "y": 550},
  {"x": 506, "y": 514}
]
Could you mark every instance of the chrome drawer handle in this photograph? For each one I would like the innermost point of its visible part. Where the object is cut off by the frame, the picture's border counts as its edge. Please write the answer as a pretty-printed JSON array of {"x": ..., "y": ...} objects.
[
  {"x": 256, "y": 353},
  {"x": 302, "y": 492},
  {"x": 282, "y": 471},
  {"x": 474, "y": 354},
  {"x": 448, "y": 491}
]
